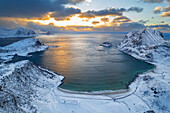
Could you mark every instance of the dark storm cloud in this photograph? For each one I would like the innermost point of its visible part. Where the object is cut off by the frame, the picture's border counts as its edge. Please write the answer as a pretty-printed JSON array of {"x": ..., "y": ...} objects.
[
  {"x": 33, "y": 8},
  {"x": 135, "y": 9},
  {"x": 110, "y": 11},
  {"x": 65, "y": 12}
]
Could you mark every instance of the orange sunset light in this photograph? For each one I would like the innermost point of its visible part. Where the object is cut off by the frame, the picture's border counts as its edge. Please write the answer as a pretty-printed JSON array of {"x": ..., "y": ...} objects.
[{"x": 72, "y": 21}]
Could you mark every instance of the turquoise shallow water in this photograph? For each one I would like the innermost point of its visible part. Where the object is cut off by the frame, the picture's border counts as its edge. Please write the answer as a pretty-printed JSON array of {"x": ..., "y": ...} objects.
[{"x": 87, "y": 66}]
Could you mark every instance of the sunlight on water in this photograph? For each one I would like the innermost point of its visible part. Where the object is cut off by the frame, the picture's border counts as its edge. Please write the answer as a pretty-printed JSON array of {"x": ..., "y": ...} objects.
[{"x": 87, "y": 66}]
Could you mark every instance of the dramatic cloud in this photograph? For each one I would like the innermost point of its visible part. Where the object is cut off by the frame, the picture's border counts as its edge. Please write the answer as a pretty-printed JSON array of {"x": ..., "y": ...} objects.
[
  {"x": 65, "y": 12},
  {"x": 121, "y": 19},
  {"x": 136, "y": 9},
  {"x": 167, "y": 8},
  {"x": 105, "y": 12},
  {"x": 110, "y": 11},
  {"x": 34, "y": 8},
  {"x": 157, "y": 9},
  {"x": 166, "y": 11},
  {"x": 165, "y": 14}
]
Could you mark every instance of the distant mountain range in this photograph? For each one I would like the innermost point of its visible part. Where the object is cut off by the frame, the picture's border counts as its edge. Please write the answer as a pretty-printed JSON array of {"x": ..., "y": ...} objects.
[{"x": 16, "y": 32}]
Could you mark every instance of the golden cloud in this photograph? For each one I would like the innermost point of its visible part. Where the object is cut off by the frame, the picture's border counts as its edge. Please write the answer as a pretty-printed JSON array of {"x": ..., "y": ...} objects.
[{"x": 165, "y": 14}]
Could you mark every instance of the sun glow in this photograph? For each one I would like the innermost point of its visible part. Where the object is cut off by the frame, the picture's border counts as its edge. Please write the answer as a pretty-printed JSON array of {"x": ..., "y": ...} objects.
[{"x": 72, "y": 21}]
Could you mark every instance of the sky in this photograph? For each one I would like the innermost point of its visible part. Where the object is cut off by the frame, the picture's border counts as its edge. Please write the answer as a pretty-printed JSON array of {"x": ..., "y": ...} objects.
[{"x": 86, "y": 15}]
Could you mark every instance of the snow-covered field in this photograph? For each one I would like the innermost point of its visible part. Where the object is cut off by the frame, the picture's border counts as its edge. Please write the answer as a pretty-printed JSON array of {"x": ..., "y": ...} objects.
[
  {"x": 16, "y": 32},
  {"x": 25, "y": 87}
]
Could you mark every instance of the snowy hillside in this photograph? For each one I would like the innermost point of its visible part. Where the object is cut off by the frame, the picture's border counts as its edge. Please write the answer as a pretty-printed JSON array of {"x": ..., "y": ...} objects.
[
  {"x": 21, "y": 48},
  {"x": 22, "y": 84},
  {"x": 25, "y": 87},
  {"x": 16, "y": 32},
  {"x": 144, "y": 44}
]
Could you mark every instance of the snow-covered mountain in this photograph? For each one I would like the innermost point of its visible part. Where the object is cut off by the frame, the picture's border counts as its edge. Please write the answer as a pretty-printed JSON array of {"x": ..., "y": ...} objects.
[
  {"x": 146, "y": 44},
  {"x": 21, "y": 48},
  {"x": 25, "y": 87},
  {"x": 16, "y": 32},
  {"x": 152, "y": 87}
]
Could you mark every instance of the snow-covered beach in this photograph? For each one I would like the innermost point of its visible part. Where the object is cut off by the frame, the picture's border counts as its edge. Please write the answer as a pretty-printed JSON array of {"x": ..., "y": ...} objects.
[{"x": 29, "y": 88}]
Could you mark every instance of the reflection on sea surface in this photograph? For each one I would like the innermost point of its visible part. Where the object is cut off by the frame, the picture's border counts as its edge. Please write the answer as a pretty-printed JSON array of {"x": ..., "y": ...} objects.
[{"x": 87, "y": 66}]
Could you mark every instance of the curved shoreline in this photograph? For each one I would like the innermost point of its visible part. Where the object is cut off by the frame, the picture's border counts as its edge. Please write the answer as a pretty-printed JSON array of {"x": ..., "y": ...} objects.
[
  {"x": 114, "y": 95},
  {"x": 107, "y": 92},
  {"x": 104, "y": 92}
]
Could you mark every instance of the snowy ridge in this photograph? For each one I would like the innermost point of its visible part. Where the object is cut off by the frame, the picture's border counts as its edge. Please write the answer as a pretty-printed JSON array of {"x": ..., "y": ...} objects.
[
  {"x": 21, "y": 48},
  {"x": 153, "y": 86},
  {"x": 16, "y": 32},
  {"x": 25, "y": 87},
  {"x": 28, "y": 88},
  {"x": 144, "y": 44},
  {"x": 20, "y": 84}
]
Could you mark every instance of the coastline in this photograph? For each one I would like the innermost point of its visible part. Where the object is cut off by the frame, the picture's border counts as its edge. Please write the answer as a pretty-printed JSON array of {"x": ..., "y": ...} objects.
[
  {"x": 109, "y": 92},
  {"x": 103, "y": 92},
  {"x": 149, "y": 91},
  {"x": 115, "y": 94}
]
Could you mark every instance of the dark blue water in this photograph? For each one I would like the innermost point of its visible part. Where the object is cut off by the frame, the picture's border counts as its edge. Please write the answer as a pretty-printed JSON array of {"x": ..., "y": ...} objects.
[{"x": 87, "y": 66}]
